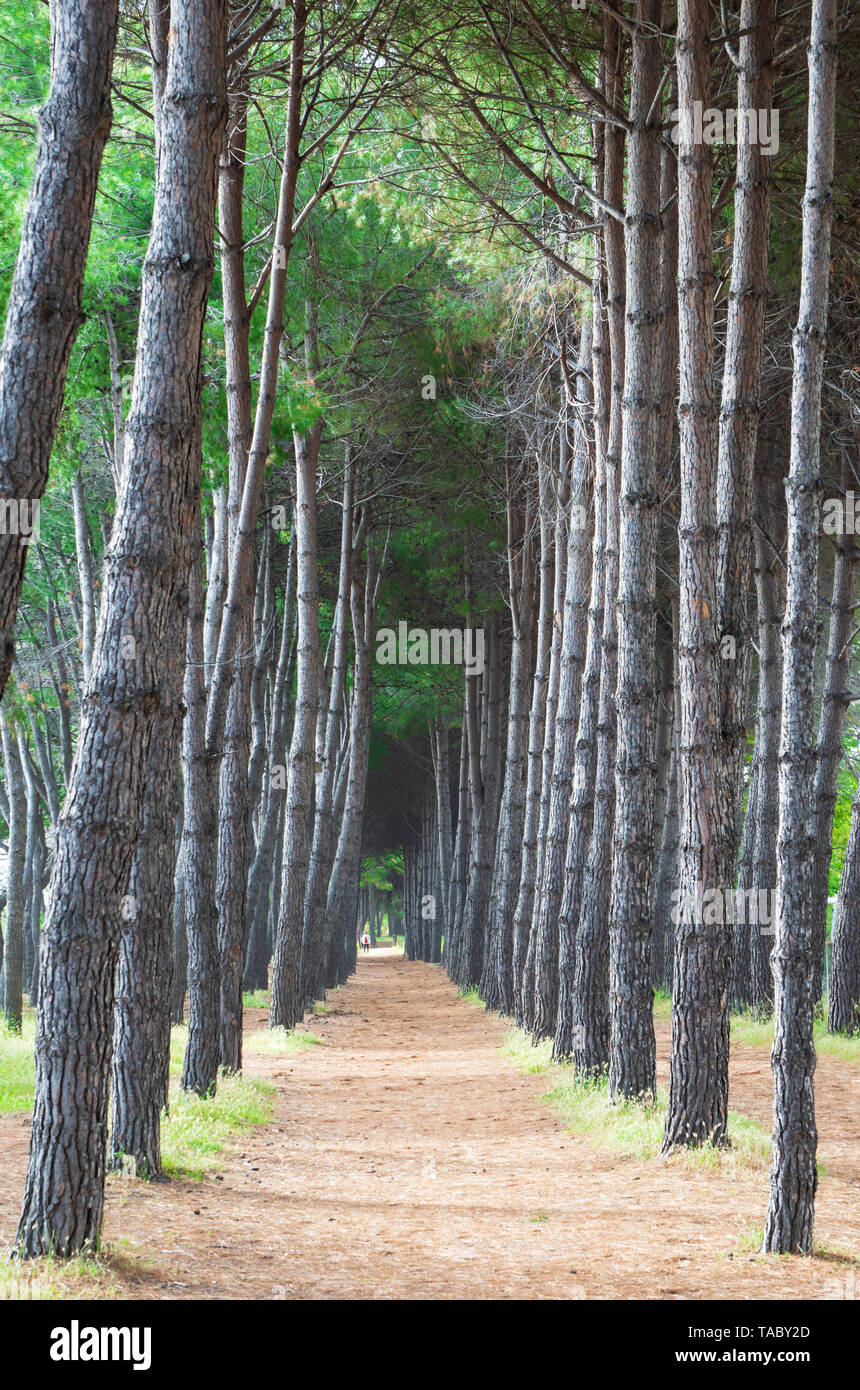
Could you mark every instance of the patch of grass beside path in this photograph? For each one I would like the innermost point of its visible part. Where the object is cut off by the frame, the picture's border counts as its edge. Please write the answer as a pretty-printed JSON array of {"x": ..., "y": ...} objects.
[
  {"x": 269, "y": 1042},
  {"x": 194, "y": 1132},
  {"x": 257, "y": 999},
  {"x": 192, "y": 1135},
  {"x": 17, "y": 1066},
  {"x": 197, "y": 1128},
  {"x": 750, "y": 1031},
  {"x": 630, "y": 1129},
  {"x": 40, "y": 1281}
]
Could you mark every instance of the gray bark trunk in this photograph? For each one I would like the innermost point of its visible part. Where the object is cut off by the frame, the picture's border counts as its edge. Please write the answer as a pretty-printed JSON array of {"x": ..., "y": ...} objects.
[
  {"x": 632, "y": 1063},
  {"x": 698, "y": 1074},
  {"x": 44, "y": 311},
  {"x": 522, "y": 944},
  {"x": 286, "y": 1010},
  {"x": 64, "y": 1194},
  {"x": 844, "y": 1002},
  {"x": 789, "y": 1222},
  {"x": 497, "y": 982},
  {"x": 572, "y": 659},
  {"x": 16, "y": 892},
  {"x": 836, "y": 698}
]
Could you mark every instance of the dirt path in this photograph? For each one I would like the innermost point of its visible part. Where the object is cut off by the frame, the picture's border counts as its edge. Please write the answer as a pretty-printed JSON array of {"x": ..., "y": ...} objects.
[{"x": 408, "y": 1159}]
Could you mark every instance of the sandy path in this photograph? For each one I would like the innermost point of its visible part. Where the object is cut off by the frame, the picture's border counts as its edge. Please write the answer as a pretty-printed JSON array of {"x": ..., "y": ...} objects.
[{"x": 409, "y": 1159}]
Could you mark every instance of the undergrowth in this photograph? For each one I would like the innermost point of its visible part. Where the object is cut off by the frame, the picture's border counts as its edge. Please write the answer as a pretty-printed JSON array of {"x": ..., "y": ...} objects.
[{"x": 633, "y": 1129}]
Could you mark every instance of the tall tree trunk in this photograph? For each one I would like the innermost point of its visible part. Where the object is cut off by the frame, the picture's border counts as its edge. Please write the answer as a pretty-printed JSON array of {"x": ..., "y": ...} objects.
[
  {"x": 522, "y": 943},
  {"x": 543, "y": 934},
  {"x": 262, "y": 869},
  {"x": 698, "y": 1075},
  {"x": 665, "y": 753},
  {"x": 586, "y": 902},
  {"x": 322, "y": 849},
  {"x": 481, "y": 850},
  {"x": 179, "y": 978},
  {"x": 16, "y": 893},
  {"x": 590, "y": 1022},
  {"x": 497, "y": 982},
  {"x": 216, "y": 577},
  {"x": 230, "y": 889},
  {"x": 789, "y": 1222},
  {"x": 343, "y": 885},
  {"x": 141, "y": 1060},
  {"x": 581, "y": 816},
  {"x": 740, "y": 410},
  {"x": 286, "y": 1010},
  {"x": 571, "y": 667},
  {"x": 86, "y": 573},
  {"x": 763, "y": 873},
  {"x": 36, "y": 854},
  {"x": 44, "y": 311},
  {"x": 632, "y": 1062},
  {"x": 836, "y": 697},
  {"x": 667, "y": 880},
  {"x": 609, "y": 159},
  {"x": 64, "y": 1195},
  {"x": 457, "y": 886},
  {"x": 588, "y": 1041},
  {"x": 199, "y": 837},
  {"x": 442, "y": 777},
  {"x": 844, "y": 1002}
]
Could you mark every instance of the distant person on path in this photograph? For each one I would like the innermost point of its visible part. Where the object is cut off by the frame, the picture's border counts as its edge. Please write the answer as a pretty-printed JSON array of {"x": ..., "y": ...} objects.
[{"x": 365, "y": 942}]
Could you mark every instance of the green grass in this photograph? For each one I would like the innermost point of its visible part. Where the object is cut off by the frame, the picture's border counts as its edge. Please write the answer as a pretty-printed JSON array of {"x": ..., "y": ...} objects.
[
  {"x": 196, "y": 1130},
  {"x": 258, "y": 999},
  {"x": 277, "y": 1041},
  {"x": 663, "y": 1005},
  {"x": 472, "y": 996},
  {"x": 51, "y": 1279},
  {"x": 17, "y": 1066},
  {"x": 755, "y": 1032},
  {"x": 631, "y": 1129},
  {"x": 750, "y": 1031}
]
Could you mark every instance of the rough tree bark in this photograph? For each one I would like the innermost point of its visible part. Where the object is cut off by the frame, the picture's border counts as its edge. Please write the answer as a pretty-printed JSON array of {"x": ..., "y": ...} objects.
[
  {"x": 230, "y": 885},
  {"x": 632, "y": 1060},
  {"x": 262, "y": 869},
  {"x": 64, "y": 1194},
  {"x": 323, "y": 846},
  {"x": 497, "y": 981},
  {"x": 141, "y": 1058},
  {"x": 286, "y": 1010},
  {"x": 789, "y": 1222},
  {"x": 581, "y": 811},
  {"x": 585, "y": 909},
  {"x": 523, "y": 985},
  {"x": 740, "y": 410},
  {"x": 44, "y": 311},
  {"x": 199, "y": 837},
  {"x": 698, "y": 1075},
  {"x": 588, "y": 1043},
  {"x": 835, "y": 699},
  {"x": 572, "y": 657},
  {"x": 844, "y": 1002},
  {"x": 764, "y": 795},
  {"x": 16, "y": 894},
  {"x": 343, "y": 884}
]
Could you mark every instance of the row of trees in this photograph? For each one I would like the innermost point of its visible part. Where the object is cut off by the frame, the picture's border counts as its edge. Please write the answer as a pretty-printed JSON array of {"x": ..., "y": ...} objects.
[
  {"x": 602, "y": 844},
  {"x": 427, "y": 328}
]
